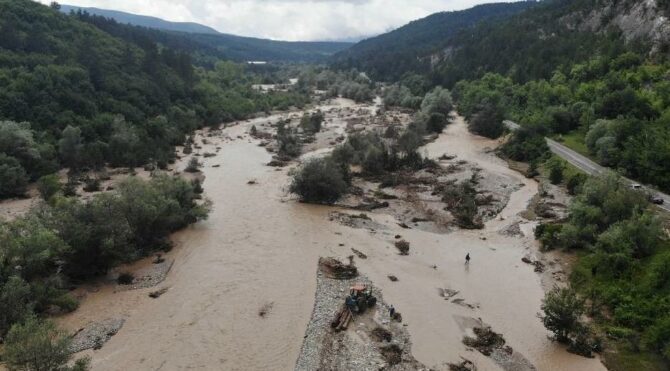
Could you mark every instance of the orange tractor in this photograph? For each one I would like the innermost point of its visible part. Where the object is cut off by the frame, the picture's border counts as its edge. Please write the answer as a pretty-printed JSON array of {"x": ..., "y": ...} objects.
[{"x": 359, "y": 300}]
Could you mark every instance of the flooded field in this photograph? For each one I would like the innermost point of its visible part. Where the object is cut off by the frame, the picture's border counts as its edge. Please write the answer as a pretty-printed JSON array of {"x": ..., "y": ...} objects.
[{"x": 259, "y": 249}]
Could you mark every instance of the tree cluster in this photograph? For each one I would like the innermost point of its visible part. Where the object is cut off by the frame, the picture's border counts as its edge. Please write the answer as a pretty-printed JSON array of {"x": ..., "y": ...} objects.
[
  {"x": 625, "y": 263},
  {"x": 67, "y": 240}
]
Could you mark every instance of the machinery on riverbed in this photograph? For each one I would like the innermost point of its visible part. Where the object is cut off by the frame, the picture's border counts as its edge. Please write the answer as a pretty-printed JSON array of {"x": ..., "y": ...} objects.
[{"x": 359, "y": 300}]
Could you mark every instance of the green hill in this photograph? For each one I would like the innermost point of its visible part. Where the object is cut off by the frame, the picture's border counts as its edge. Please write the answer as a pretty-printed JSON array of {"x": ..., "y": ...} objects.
[
  {"x": 142, "y": 20},
  {"x": 409, "y": 48},
  {"x": 204, "y": 40}
]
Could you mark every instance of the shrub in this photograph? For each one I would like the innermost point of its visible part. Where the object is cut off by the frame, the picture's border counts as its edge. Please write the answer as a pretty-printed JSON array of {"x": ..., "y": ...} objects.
[
  {"x": 549, "y": 235},
  {"x": 15, "y": 302},
  {"x": 487, "y": 122},
  {"x": 556, "y": 167},
  {"x": 289, "y": 143},
  {"x": 574, "y": 182},
  {"x": 37, "y": 345},
  {"x": 526, "y": 144},
  {"x": 193, "y": 165},
  {"x": 461, "y": 201},
  {"x": 70, "y": 188},
  {"x": 197, "y": 186},
  {"x": 48, "y": 186},
  {"x": 319, "y": 181},
  {"x": 403, "y": 247},
  {"x": 92, "y": 185},
  {"x": 125, "y": 278},
  {"x": 312, "y": 123},
  {"x": 562, "y": 312},
  {"x": 13, "y": 177},
  {"x": 436, "y": 122}
]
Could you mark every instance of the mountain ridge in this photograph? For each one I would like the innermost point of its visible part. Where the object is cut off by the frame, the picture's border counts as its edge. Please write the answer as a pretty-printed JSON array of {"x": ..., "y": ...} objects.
[
  {"x": 142, "y": 20},
  {"x": 407, "y": 45}
]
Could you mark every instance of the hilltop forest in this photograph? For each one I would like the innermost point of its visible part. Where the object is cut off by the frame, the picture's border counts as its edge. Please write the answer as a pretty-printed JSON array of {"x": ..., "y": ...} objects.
[{"x": 80, "y": 96}]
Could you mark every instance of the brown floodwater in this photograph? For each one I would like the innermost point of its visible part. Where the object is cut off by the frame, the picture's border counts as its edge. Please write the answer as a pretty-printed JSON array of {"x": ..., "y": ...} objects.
[{"x": 259, "y": 248}]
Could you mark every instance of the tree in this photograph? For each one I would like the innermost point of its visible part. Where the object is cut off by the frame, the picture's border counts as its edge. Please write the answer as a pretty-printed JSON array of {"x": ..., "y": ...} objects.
[
  {"x": 193, "y": 165},
  {"x": 437, "y": 101},
  {"x": 556, "y": 167},
  {"x": 562, "y": 313},
  {"x": 37, "y": 345},
  {"x": 13, "y": 177},
  {"x": 48, "y": 186},
  {"x": 436, "y": 122},
  {"x": 70, "y": 146},
  {"x": 15, "y": 302},
  {"x": 312, "y": 123},
  {"x": 488, "y": 122},
  {"x": 319, "y": 181}
]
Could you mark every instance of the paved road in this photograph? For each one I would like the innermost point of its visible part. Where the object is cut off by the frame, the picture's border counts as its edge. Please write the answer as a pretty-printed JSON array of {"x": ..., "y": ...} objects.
[{"x": 588, "y": 166}]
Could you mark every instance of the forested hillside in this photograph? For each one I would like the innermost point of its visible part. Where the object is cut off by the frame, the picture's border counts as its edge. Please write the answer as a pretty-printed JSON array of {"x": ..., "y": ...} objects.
[
  {"x": 555, "y": 34},
  {"x": 73, "y": 95},
  {"x": 607, "y": 91},
  {"x": 141, "y": 20},
  {"x": 207, "y": 42},
  {"x": 409, "y": 48}
]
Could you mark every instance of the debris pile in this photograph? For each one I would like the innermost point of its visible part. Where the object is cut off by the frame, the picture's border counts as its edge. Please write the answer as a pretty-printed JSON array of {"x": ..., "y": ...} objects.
[
  {"x": 486, "y": 340},
  {"x": 333, "y": 268},
  {"x": 403, "y": 247}
]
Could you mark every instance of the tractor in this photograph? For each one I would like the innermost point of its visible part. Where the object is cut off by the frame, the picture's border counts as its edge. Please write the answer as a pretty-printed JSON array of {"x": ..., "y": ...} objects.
[{"x": 360, "y": 298}]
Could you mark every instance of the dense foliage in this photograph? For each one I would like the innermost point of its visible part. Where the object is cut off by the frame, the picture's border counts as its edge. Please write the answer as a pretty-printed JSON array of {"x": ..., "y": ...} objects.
[
  {"x": 68, "y": 239},
  {"x": 37, "y": 345},
  {"x": 325, "y": 180},
  {"x": 530, "y": 45},
  {"x": 625, "y": 263},
  {"x": 319, "y": 180},
  {"x": 348, "y": 84},
  {"x": 410, "y": 47},
  {"x": 76, "y": 96},
  {"x": 618, "y": 109}
]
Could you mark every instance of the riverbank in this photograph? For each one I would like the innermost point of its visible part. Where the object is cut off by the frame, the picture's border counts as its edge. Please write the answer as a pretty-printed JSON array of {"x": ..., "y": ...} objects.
[{"x": 259, "y": 247}]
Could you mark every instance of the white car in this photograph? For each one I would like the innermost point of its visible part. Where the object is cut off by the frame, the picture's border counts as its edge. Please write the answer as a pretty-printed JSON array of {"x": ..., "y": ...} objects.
[{"x": 636, "y": 186}]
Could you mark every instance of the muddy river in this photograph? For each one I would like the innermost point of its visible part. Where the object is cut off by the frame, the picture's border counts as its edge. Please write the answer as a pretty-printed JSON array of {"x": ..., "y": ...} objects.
[{"x": 259, "y": 249}]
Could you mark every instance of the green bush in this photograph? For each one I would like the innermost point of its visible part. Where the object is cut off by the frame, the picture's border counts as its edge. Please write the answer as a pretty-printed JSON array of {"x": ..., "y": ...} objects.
[
  {"x": 92, "y": 185},
  {"x": 37, "y": 345},
  {"x": 311, "y": 123},
  {"x": 487, "y": 122},
  {"x": 549, "y": 235},
  {"x": 526, "y": 144},
  {"x": 574, "y": 182},
  {"x": 562, "y": 313},
  {"x": 319, "y": 181},
  {"x": 13, "y": 177},
  {"x": 556, "y": 168},
  {"x": 48, "y": 186},
  {"x": 193, "y": 165},
  {"x": 15, "y": 302}
]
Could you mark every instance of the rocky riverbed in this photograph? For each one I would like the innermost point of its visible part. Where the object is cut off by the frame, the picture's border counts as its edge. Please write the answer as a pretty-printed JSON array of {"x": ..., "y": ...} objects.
[{"x": 373, "y": 340}]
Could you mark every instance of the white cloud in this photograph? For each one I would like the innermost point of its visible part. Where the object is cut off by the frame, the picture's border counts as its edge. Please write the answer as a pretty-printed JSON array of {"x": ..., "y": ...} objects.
[{"x": 288, "y": 19}]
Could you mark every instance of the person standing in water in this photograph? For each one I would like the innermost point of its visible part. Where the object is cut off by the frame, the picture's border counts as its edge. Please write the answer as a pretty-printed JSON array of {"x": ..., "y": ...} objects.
[{"x": 467, "y": 258}]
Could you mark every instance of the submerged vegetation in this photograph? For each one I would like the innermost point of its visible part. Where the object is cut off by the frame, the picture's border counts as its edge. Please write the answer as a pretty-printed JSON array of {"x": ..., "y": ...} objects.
[{"x": 378, "y": 154}]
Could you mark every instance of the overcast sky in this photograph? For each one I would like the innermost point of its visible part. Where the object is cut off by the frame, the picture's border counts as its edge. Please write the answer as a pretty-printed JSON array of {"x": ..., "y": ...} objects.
[{"x": 288, "y": 19}]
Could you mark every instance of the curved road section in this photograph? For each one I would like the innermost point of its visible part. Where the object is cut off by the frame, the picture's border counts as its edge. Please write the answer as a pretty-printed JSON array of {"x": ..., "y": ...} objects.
[{"x": 590, "y": 167}]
